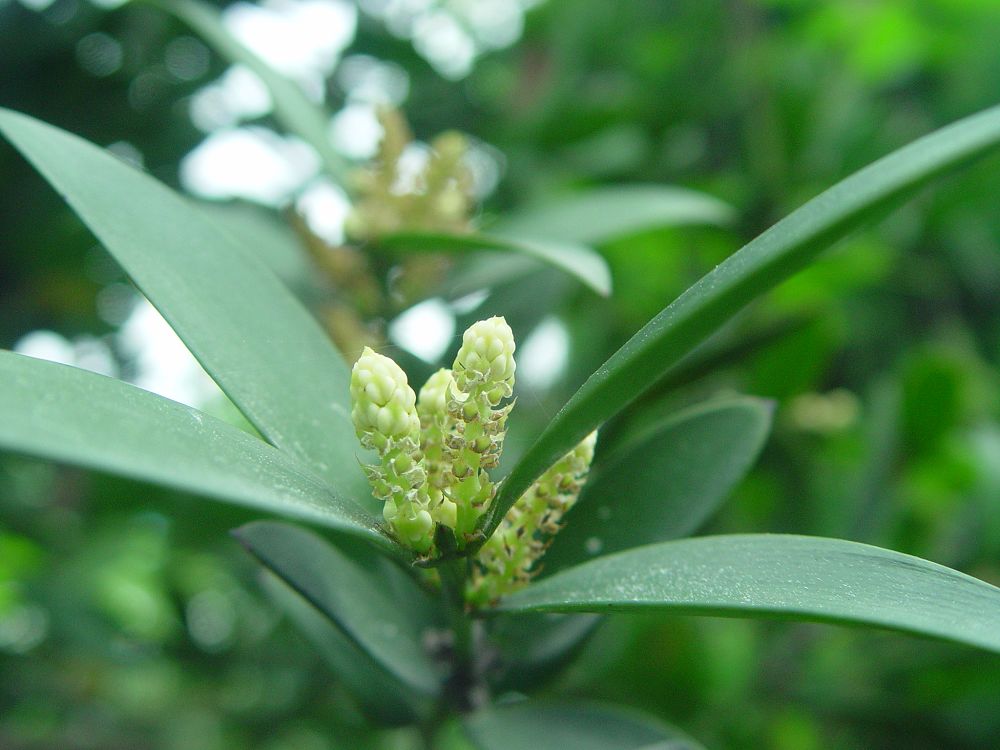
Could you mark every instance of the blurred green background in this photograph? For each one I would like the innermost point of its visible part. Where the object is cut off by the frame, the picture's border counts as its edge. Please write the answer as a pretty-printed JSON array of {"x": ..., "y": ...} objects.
[{"x": 128, "y": 617}]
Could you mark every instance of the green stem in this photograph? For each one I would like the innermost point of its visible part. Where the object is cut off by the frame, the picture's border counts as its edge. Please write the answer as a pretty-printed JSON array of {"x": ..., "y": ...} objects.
[
  {"x": 464, "y": 677},
  {"x": 453, "y": 575}
]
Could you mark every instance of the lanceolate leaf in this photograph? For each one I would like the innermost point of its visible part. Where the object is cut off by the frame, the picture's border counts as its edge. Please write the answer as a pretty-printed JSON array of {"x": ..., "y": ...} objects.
[
  {"x": 292, "y": 108},
  {"x": 263, "y": 233},
  {"x": 575, "y": 259},
  {"x": 381, "y": 696},
  {"x": 606, "y": 213},
  {"x": 375, "y": 605},
  {"x": 789, "y": 577},
  {"x": 663, "y": 483},
  {"x": 560, "y": 726},
  {"x": 533, "y": 648},
  {"x": 243, "y": 325},
  {"x": 759, "y": 266},
  {"x": 69, "y": 415}
]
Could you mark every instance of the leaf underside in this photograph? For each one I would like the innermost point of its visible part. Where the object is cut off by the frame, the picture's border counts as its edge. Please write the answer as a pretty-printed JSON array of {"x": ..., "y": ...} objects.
[
  {"x": 574, "y": 259},
  {"x": 374, "y": 603},
  {"x": 601, "y": 214}
]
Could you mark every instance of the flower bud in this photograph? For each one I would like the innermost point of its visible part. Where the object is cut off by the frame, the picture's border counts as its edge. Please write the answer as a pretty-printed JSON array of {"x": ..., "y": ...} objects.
[
  {"x": 485, "y": 362},
  {"x": 384, "y": 405}
]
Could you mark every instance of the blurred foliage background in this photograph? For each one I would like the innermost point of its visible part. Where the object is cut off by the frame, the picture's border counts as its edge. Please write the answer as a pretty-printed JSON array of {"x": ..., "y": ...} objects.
[{"x": 128, "y": 617}]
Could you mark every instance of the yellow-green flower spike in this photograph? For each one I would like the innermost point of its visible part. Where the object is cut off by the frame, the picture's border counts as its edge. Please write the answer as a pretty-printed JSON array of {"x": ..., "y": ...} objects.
[
  {"x": 483, "y": 375},
  {"x": 509, "y": 558},
  {"x": 385, "y": 418},
  {"x": 435, "y": 425}
]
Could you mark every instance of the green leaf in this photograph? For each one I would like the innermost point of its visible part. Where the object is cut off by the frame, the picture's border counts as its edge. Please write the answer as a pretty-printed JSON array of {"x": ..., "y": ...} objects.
[
  {"x": 375, "y": 604},
  {"x": 238, "y": 319},
  {"x": 486, "y": 270},
  {"x": 559, "y": 726},
  {"x": 663, "y": 483},
  {"x": 307, "y": 120},
  {"x": 788, "y": 246},
  {"x": 577, "y": 260},
  {"x": 73, "y": 416},
  {"x": 380, "y": 695},
  {"x": 602, "y": 214},
  {"x": 788, "y": 577},
  {"x": 535, "y": 647},
  {"x": 263, "y": 233}
]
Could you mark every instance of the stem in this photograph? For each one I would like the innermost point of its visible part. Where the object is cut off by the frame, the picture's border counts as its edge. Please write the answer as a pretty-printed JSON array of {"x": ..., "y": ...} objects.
[
  {"x": 464, "y": 679},
  {"x": 453, "y": 575}
]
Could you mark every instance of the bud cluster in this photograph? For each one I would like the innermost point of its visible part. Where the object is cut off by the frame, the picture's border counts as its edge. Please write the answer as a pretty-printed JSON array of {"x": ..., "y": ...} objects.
[
  {"x": 509, "y": 558},
  {"x": 393, "y": 197},
  {"x": 435, "y": 427},
  {"x": 385, "y": 418},
  {"x": 483, "y": 377},
  {"x": 435, "y": 455}
]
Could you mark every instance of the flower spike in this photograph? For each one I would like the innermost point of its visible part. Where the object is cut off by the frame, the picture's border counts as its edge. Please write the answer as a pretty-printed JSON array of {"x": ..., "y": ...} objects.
[
  {"x": 483, "y": 375},
  {"x": 385, "y": 418},
  {"x": 509, "y": 558},
  {"x": 435, "y": 425}
]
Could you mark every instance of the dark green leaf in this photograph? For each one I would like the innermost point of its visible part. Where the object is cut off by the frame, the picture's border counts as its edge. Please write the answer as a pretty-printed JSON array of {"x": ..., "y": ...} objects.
[
  {"x": 381, "y": 696},
  {"x": 263, "y": 233},
  {"x": 771, "y": 258},
  {"x": 789, "y": 577},
  {"x": 561, "y": 726},
  {"x": 487, "y": 270},
  {"x": 375, "y": 604},
  {"x": 602, "y": 214},
  {"x": 292, "y": 108},
  {"x": 663, "y": 483},
  {"x": 243, "y": 325},
  {"x": 73, "y": 416},
  {"x": 575, "y": 259},
  {"x": 535, "y": 647}
]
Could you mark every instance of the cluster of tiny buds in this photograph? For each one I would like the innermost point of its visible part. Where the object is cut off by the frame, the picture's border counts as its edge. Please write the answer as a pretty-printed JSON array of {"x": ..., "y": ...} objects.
[
  {"x": 385, "y": 418},
  {"x": 510, "y": 558},
  {"x": 435, "y": 453}
]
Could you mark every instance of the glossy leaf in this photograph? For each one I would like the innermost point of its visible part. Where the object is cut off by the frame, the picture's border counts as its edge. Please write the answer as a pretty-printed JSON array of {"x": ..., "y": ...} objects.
[
  {"x": 69, "y": 415},
  {"x": 307, "y": 120},
  {"x": 380, "y": 695},
  {"x": 238, "y": 319},
  {"x": 534, "y": 725},
  {"x": 603, "y": 214},
  {"x": 534, "y": 648},
  {"x": 788, "y": 577},
  {"x": 788, "y": 246},
  {"x": 263, "y": 233},
  {"x": 577, "y": 260},
  {"x": 486, "y": 270},
  {"x": 375, "y": 605},
  {"x": 663, "y": 483}
]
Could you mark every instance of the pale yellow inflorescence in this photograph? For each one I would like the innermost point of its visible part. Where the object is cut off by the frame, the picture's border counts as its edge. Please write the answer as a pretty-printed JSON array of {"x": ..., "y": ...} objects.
[{"x": 435, "y": 455}]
